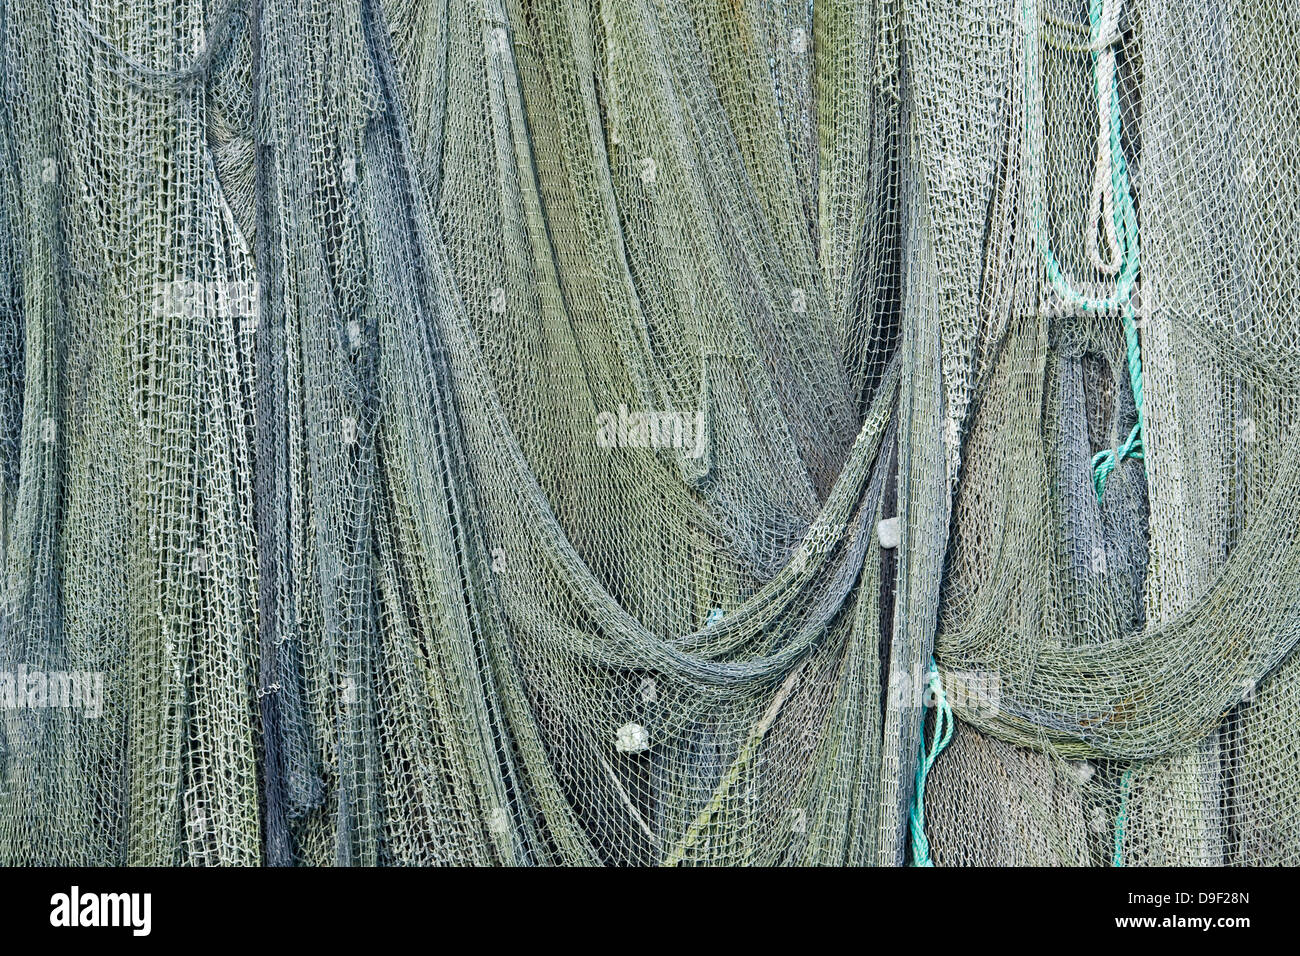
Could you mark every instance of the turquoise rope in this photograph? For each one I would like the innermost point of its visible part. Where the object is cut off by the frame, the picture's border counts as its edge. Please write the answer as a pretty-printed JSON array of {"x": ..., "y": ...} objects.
[
  {"x": 1104, "y": 462},
  {"x": 1126, "y": 231},
  {"x": 1126, "y": 227},
  {"x": 943, "y": 728},
  {"x": 1121, "y": 819}
]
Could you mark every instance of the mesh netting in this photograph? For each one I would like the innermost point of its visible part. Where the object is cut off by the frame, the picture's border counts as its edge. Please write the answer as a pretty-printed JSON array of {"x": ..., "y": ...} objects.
[{"x": 565, "y": 431}]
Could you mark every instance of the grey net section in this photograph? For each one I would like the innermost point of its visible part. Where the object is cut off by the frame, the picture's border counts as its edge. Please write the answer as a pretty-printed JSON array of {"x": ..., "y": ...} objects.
[
  {"x": 1140, "y": 644},
  {"x": 459, "y": 432}
]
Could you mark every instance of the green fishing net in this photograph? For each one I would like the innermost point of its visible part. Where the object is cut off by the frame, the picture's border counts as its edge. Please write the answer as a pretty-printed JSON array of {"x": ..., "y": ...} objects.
[{"x": 566, "y": 431}]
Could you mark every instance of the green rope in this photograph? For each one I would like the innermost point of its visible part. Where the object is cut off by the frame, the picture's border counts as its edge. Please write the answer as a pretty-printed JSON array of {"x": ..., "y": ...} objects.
[
  {"x": 1104, "y": 462},
  {"x": 943, "y": 728},
  {"x": 1126, "y": 231},
  {"x": 1121, "y": 819}
]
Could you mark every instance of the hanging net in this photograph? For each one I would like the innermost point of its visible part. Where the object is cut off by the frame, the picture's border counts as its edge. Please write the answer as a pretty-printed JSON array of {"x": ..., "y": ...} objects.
[{"x": 633, "y": 432}]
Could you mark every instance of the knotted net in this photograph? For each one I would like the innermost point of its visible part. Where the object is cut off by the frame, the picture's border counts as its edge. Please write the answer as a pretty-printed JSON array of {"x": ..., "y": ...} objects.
[{"x": 563, "y": 431}]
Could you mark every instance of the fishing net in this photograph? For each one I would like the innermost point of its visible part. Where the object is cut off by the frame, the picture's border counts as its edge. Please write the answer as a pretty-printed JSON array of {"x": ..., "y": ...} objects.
[{"x": 631, "y": 432}]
